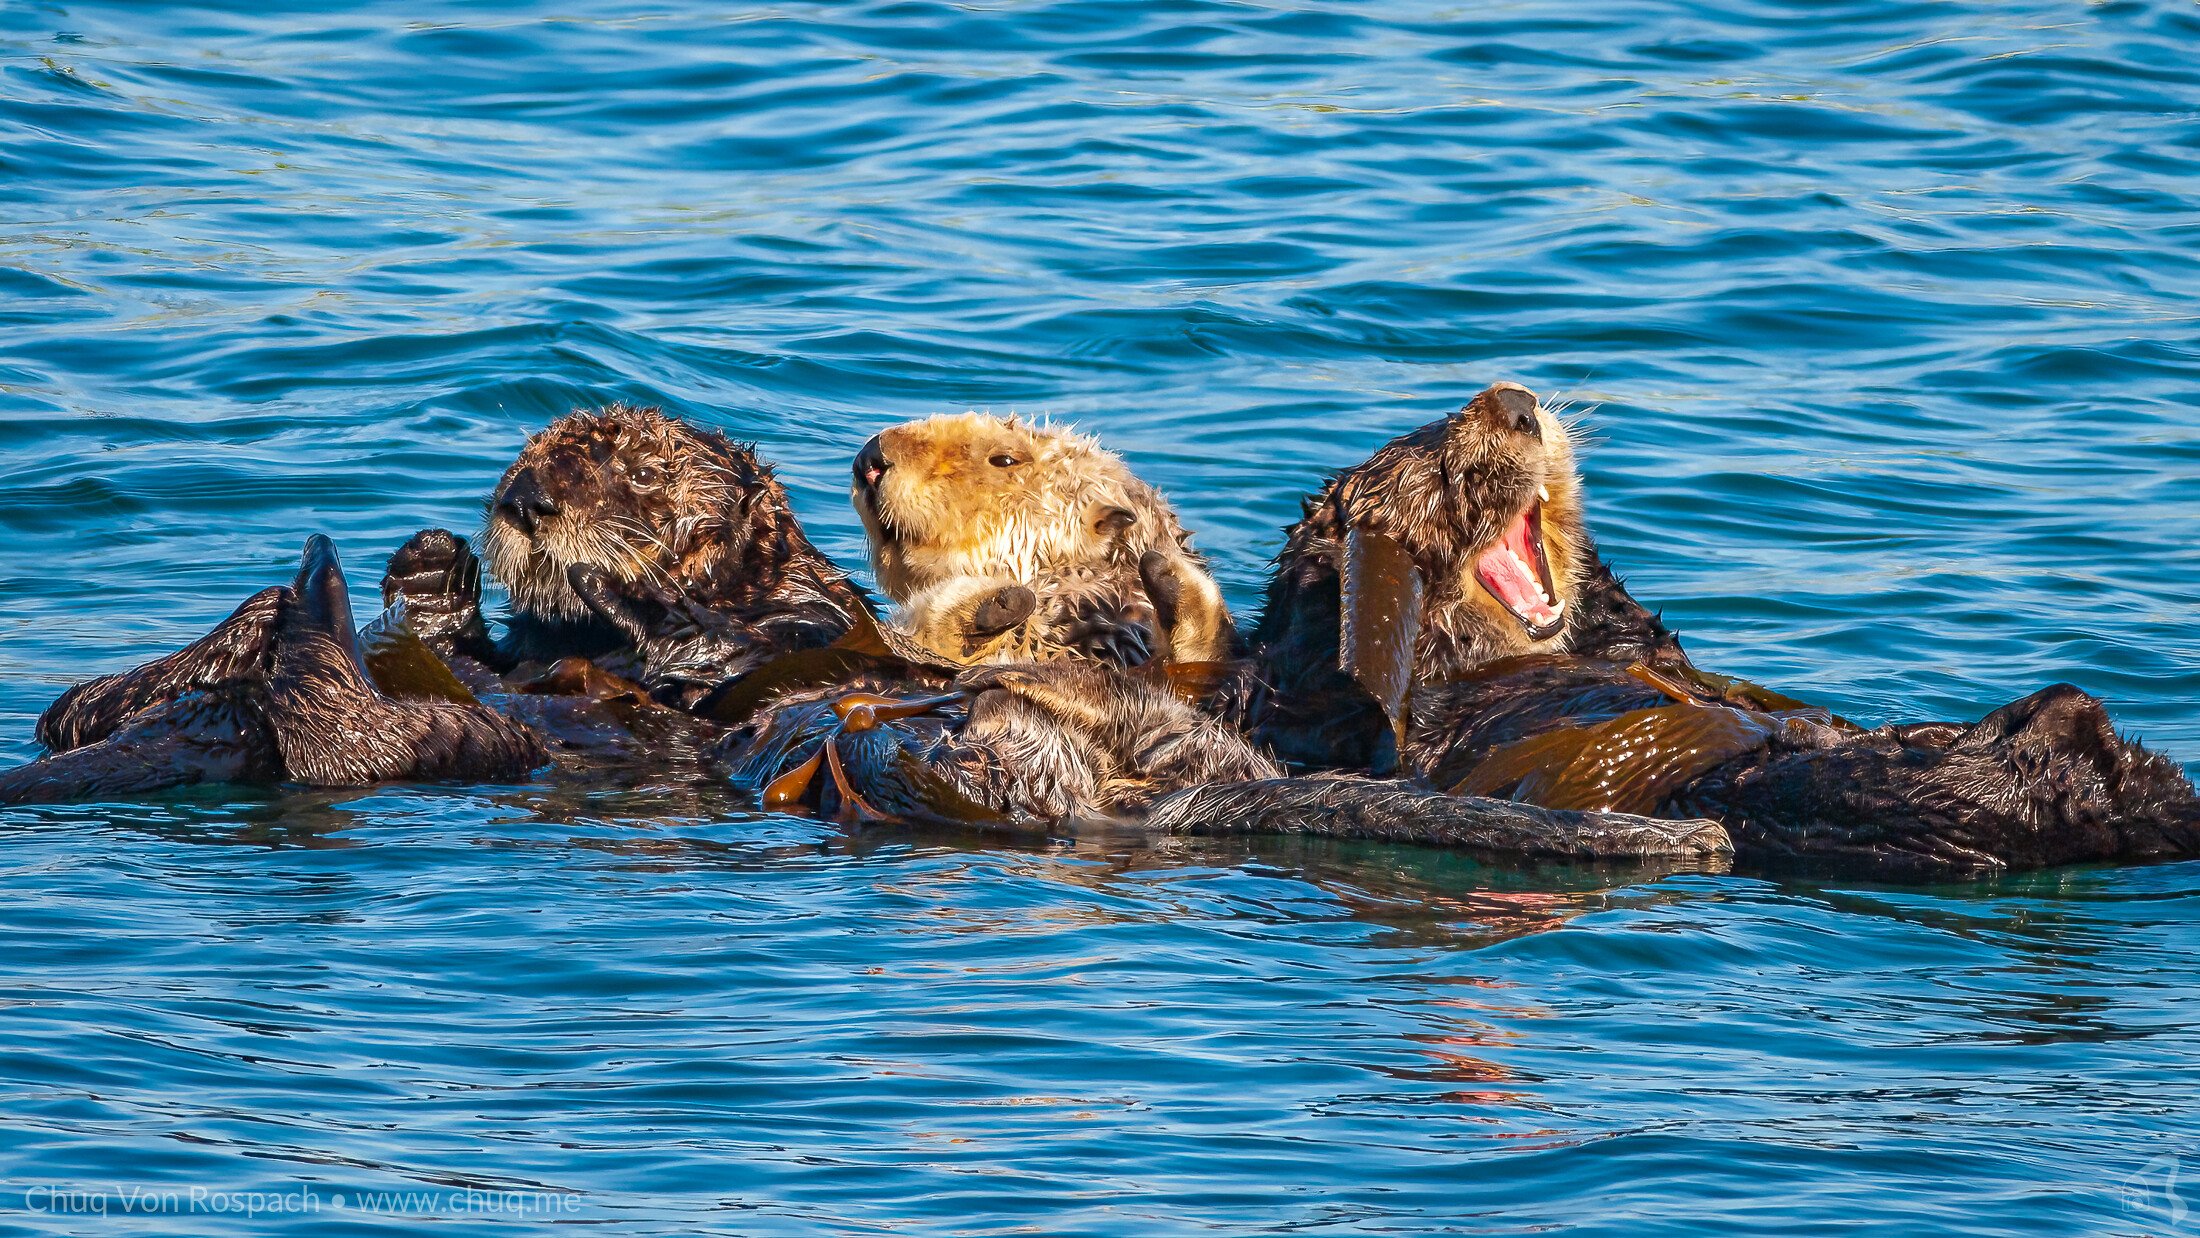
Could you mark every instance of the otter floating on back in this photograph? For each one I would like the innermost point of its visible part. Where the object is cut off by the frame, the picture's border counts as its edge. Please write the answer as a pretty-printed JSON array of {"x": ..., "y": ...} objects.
[
  {"x": 1005, "y": 541},
  {"x": 1444, "y": 597},
  {"x": 660, "y": 547}
]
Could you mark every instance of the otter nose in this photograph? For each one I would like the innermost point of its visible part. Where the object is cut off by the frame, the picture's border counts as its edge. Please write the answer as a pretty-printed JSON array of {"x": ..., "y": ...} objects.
[
  {"x": 525, "y": 502},
  {"x": 1511, "y": 406},
  {"x": 871, "y": 463}
]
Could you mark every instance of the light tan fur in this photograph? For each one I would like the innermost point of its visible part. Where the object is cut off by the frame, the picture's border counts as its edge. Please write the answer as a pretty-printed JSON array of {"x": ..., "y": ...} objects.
[{"x": 966, "y": 503}]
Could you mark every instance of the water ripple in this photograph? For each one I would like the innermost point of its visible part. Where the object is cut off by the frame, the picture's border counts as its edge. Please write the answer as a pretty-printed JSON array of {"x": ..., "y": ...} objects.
[{"x": 1878, "y": 314}]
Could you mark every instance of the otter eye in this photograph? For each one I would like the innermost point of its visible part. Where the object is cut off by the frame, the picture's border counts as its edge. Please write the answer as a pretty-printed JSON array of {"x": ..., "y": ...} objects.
[
  {"x": 1003, "y": 460},
  {"x": 643, "y": 476}
]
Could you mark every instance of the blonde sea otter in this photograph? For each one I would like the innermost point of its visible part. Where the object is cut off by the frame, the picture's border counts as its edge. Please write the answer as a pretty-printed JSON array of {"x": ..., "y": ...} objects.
[{"x": 1008, "y": 541}]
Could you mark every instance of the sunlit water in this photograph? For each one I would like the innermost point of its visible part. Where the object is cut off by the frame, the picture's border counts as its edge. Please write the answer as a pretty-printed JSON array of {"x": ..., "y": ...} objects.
[{"x": 1881, "y": 315}]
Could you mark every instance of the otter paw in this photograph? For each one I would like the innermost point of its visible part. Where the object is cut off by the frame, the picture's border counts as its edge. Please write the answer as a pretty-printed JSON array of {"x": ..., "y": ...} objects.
[
  {"x": 1007, "y": 607},
  {"x": 433, "y": 567},
  {"x": 437, "y": 577}
]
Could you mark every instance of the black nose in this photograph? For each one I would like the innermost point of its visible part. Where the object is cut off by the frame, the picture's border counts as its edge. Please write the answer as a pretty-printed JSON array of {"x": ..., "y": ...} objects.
[
  {"x": 1516, "y": 406},
  {"x": 871, "y": 463},
  {"x": 524, "y": 500}
]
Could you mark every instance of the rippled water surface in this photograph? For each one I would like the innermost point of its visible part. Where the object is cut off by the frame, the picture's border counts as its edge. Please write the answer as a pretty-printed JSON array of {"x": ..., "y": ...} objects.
[{"x": 1882, "y": 316}]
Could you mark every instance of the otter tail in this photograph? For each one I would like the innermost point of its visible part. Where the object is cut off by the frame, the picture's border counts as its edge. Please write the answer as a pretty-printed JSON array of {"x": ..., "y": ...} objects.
[{"x": 1391, "y": 811}]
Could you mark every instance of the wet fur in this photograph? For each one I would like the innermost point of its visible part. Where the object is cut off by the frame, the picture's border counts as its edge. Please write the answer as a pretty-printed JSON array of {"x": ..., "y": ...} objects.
[
  {"x": 1042, "y": 744},
  {"x": 691, "y": 527},
  {"x": 973, "y": 620},
  {"x": 274, "y": 693},
  {"x": 1062, "y": 510},
  {"x": 2042, "y": 781},
  {"x": 1445, "y": 492}
]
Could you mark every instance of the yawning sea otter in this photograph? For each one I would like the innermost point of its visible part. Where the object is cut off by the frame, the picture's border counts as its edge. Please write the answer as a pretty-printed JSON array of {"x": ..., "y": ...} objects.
[
  {"x": 1443, "y": 599},
  {"x": 1006, "y": 541}
]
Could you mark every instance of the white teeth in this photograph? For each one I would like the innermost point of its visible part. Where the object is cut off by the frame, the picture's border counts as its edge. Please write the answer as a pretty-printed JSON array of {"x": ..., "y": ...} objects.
[{"x": 1543, "y": 493}]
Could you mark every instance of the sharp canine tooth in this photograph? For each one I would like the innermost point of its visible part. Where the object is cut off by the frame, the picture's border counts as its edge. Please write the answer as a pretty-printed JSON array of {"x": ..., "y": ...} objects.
[{"x": 1543, "y": 493}]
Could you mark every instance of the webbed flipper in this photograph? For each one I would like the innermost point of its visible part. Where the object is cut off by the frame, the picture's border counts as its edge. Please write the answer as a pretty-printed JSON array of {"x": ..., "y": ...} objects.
[
  {"x": 204, "y": 736},
  {"x": 236, "y": 651}
]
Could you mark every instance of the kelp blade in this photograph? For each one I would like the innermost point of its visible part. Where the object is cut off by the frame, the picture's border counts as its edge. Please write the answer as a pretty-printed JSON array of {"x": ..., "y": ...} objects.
[
  {"x": 1381, "y": 600},
  {"x": 402, "y": 665},
  {"x": 1630, "y": 764}
]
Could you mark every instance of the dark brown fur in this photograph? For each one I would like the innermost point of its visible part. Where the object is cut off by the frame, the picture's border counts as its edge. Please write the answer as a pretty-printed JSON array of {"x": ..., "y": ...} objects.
[
  {"x": 690, "y": 561},
  {"x": 275, "y": 693},
  {"x": 2042, "y": 781},
  {"x": 1443, "y": 492}
]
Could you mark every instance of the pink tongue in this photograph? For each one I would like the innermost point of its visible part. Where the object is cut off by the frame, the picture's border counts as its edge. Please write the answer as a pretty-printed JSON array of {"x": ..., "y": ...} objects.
[{"x": 1508, "y": 569}]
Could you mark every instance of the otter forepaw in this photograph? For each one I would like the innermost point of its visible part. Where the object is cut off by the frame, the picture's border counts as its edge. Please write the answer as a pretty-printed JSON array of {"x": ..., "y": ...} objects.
[
  {"x": 438, "y": 578},
  {"x": 688, "y": 650},
  {"x": 637, "y": 610}
]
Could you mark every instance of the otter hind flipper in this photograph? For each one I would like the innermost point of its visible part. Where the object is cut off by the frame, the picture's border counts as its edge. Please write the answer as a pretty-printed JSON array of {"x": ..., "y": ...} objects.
[
  {"x": 335, "y": 727},
  {"x": 203, "y": 736},
  {"x": 235, "y": 650}
]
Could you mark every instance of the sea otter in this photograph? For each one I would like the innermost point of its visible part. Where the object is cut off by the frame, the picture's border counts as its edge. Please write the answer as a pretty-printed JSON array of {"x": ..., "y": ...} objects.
[
  {"x": 680, "y": 561},
  {"x": 1441, "y": 606},
  {"x": 1063, "y": 733},
  {"x": 1007, "y": 541},
  {"x": 1044, "y": 748},
  {"x": 277, "y": 692},
  {"x": 653, "y": 545},
  {"x": 1037, "y": 556}
]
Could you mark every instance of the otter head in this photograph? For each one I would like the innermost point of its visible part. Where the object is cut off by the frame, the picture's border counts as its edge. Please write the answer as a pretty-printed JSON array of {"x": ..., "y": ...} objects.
[
  {"x": 974, "y": 495},
  {"x": 1488, "y": 505},
  {"x": 1453, "y": 545},
  {"x": 630, "y": 491}
]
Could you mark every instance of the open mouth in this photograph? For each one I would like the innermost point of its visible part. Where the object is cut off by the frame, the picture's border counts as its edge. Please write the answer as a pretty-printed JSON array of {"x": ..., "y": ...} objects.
[{"x": 1517, "y": 573}]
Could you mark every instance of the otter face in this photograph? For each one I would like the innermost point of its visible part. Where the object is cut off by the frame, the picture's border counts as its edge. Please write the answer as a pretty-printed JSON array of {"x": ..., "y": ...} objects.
[
  {"x": 1488, "y": 503},
  {"x": 973, "y": 495},
  {"x": 627, "y": 490}
]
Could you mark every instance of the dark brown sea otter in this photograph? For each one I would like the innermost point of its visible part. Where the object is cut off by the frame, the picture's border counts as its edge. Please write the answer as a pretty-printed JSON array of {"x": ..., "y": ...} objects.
[
  {"x": 620, "y": 532},
  {"x": 277, "y": 692},
  {"x": 1443, "y": 603},
  {"x": 657, "y": 546}
]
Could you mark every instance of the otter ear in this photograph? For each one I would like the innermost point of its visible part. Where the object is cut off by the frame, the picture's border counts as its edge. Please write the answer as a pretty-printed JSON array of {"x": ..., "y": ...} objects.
[
  {"x": 1381, "y": 592},
  {"x": 1114, "y": 521}
]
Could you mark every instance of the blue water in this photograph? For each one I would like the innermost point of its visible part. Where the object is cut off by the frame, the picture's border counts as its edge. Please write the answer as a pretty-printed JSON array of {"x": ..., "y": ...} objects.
[{"x": 1882, "y": 315}]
